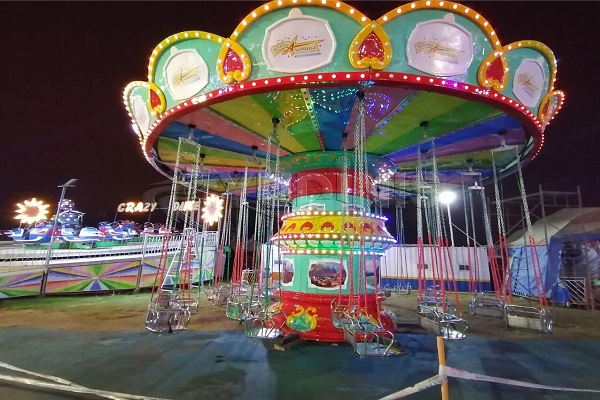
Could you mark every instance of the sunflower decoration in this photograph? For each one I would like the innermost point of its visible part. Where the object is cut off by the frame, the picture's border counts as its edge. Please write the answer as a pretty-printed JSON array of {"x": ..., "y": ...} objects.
[
  {"x": 32, "y": 211},
  {"x": 213, "y": 209}
]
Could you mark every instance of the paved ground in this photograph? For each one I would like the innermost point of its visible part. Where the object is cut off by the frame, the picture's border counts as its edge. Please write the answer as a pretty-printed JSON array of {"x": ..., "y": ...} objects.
[
  {"x": 99, "y": 342},
  {"x": 227, "y": 365}
]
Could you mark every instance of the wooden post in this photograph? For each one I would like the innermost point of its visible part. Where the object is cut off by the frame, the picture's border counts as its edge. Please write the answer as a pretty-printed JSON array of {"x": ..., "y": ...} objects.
[{"x": 442, "y": 361}]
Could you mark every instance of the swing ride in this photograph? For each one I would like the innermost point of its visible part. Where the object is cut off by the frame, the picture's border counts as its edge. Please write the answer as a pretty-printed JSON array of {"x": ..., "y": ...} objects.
[{"x": 313, "y": 109}]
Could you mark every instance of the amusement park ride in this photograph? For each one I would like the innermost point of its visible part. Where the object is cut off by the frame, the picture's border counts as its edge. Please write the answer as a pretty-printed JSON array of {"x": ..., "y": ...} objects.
[
  {"x": 311, "y": 103},
  {"x": 66, "y": 226}
]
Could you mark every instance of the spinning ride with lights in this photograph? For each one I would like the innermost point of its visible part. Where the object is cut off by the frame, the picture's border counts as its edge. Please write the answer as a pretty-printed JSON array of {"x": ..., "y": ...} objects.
[{"x": 343, "y": 109}]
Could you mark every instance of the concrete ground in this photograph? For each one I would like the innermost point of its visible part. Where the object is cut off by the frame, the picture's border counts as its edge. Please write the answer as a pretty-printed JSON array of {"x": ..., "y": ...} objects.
[{"x": 225, "y": 364}]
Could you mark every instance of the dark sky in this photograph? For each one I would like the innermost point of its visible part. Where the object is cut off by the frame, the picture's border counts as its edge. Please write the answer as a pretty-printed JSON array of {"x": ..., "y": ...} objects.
[{"x": 65, "y": 65}]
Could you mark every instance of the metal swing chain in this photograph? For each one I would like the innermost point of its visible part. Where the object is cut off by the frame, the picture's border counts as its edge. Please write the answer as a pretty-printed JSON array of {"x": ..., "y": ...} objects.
[
  {"x": 170, "y": 214},
  {"x": 523, "y": 194},
  {"x": 535, "y": 260},
  {"x": 242, "y": 230},
  {"x": 278, "y": 189},
  {"x": 403, "y": 261},
  {"x": 226, "y": 231},
  {"x": 420, "y": 196},
  {"x": 486, "y": 219},
  {"x": 501, "y": 230},
  {"x": 466, "y": 209},
  {"x": 436, "y": 185},
  {"x": 360, "y": 161},
  {"x": 420, "y": 234},
  {"x": 191, "y": 194},
  {"x": 224, "y": 236},
  {"x": 488, "y": 232},
  {"x": 345, "y": 248},
  {"x": 269, "y": 198},
  {"x": 469, "y": 212},
  {"x": 499, "y": 213}
]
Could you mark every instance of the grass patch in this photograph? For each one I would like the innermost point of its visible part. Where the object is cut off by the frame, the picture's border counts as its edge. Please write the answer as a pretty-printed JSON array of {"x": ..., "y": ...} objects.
[{"x": 59, "y": 303}]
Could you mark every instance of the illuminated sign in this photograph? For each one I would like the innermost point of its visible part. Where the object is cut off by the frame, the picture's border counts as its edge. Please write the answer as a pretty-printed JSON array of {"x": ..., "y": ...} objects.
[
  {"x": 298, "y": 43},
  {"x": 186, "y": 73},
  {"x": 131, "y": 207},
  {"x": 138, "y": 207},
  {"x": 529, "y": 82},
  {"x": 186, "y": 205},
  {"x": 440, "y": 47}
]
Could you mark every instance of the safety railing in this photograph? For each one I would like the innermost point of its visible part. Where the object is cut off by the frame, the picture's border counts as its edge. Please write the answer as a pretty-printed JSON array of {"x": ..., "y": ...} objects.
[
  {"x": 15, "y": 254},
  {"x": 578, "y": 293}
]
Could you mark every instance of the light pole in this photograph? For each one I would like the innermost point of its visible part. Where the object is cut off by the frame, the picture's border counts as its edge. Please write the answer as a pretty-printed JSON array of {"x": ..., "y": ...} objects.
[
  {"x": 64, "y": 186},
  {"x": 446, "y": 197}
]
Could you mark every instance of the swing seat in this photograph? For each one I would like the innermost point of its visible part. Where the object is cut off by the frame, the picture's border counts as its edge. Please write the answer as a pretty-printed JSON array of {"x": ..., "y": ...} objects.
[
  {"x": 531, "y": 318},
  {"x": 436, "y": 303},
  {"x": 189, "y": 304},
  {"x": 403, "y": 289},
  {"x": 170, "y": 319},
  {"x": 235, "y": 307},
  {"x": 164, "y": 299},
  {"x": 446, "y": 325},
  {"x": 339, "y": 314},
  {"x": 431, "y": 297},
  {"x": 385, "y": 313},
  {"x": 487, "y": 305},
  {"x": 369, "y": 339},
  {"x": 220, "y": 295},
  {"x": 265, "y": 325},
  {"x": 387, "y": 290},
  {"x": 240, "y": 307},
  {"x": 275, "y": 291}
]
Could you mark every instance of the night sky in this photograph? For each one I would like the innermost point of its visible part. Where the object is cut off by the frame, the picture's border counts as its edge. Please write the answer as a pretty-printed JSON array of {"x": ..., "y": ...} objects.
[{"x": 65, "y": 65}]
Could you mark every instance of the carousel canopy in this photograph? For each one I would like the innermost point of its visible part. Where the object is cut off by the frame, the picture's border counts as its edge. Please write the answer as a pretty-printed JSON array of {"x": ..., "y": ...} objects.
[{"x": 433, "y": 78}]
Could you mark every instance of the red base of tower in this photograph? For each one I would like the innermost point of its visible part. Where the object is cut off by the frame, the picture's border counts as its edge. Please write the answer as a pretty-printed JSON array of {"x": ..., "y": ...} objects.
[{"x": 309, "y": 315}]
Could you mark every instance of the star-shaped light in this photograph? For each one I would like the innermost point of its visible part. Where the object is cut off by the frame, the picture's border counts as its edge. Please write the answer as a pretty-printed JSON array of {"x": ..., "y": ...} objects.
[
  {"x": 32, "y": 211},
  {"x": 213, "y": 209}
]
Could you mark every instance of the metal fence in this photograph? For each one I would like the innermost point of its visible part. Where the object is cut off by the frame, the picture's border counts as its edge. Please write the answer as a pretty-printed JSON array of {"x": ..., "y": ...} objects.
[
  {"x": 578, "y": 293},
  {"x": 14, "y": 255}
]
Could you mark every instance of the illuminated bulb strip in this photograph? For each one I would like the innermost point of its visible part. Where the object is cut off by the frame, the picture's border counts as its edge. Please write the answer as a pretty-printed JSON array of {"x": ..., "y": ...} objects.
[
  {"x": 296, "y": 244},
  {"x": 325, "y": 237},
  {"x": 126, "y": 93},
  {"x": 277, "y": 4},
  {"x": 311, "y": 112},
  {"x": 339, "y": 252},
  {"x": 384, "y": 176},
  {"x": 451, "y": 7},
  {"x": 561, "y": 94},
  {"x": 463, "y": 87},
  {"x": 332, "y": 213},
  {"x": 312, "y": 79}
]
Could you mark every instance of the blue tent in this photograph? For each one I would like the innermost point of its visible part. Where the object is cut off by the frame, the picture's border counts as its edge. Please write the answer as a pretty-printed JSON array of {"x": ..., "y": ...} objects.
[{"x": 567, "y": 245}]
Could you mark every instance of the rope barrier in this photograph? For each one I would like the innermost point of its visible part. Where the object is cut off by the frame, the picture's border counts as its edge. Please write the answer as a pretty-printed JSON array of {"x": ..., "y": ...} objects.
[
  {"x": 445, "y": 372},
  {"x": 64, "y": 385}
]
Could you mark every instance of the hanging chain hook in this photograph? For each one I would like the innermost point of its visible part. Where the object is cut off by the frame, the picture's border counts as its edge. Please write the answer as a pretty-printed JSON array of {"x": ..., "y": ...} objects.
[{"x": 254, "y": 157}]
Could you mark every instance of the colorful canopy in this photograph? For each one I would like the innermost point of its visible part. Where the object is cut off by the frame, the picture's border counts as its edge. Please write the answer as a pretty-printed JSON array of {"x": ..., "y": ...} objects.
[{"x": 436, "y": 82}]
